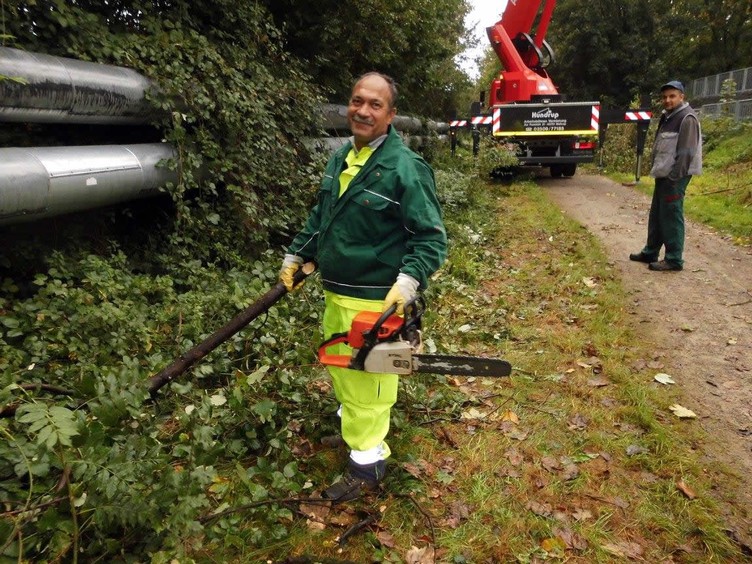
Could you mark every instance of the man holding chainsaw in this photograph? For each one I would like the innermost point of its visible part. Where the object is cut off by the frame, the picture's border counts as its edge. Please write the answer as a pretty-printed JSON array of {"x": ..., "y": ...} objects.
[{"x": 377, "y": 235}]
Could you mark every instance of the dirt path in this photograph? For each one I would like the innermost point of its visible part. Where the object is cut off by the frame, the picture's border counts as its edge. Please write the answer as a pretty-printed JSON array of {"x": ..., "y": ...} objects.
[{"x": 700, "y": 319}]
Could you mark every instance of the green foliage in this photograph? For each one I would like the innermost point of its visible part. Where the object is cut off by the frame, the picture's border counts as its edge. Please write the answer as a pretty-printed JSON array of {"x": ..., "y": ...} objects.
[
  {"x": 452, "y": 187},
  {"x": 96, "y": 329},
  {"x": 494, "y": 155},
  {"x": 415, "y": 41},
  {"x": 613, "y": 52},
  {"x": 728, "y": 90}
]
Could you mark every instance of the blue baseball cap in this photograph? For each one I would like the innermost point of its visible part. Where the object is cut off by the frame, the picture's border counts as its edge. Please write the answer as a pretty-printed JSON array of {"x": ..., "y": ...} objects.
[{"x": 673, "y": 84}]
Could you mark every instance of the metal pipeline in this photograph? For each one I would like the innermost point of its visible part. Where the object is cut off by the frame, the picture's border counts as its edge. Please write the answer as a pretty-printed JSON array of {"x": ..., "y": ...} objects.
[
  {"x": 40, "y": 88},
  {"x": 47, "y": 181}
]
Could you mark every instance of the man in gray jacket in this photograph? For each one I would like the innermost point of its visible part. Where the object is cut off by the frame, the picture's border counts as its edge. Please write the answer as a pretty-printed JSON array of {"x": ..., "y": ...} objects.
[{"x": 676, "y": 157}]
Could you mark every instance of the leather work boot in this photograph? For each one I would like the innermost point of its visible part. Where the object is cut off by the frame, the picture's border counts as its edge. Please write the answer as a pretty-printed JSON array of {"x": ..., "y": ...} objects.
[
  {"x": 357, "y": 479},
  {"x": 664, "y": 266},
  {"x": 639, "y": 257}
]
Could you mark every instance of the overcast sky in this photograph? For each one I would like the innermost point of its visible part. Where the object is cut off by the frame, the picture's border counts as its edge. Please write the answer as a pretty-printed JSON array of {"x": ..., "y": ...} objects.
[{"x": 484, "y": 13}]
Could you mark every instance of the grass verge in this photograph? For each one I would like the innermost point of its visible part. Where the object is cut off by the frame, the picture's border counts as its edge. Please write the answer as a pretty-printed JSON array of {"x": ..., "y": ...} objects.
[{"x": 576, "y": 457}]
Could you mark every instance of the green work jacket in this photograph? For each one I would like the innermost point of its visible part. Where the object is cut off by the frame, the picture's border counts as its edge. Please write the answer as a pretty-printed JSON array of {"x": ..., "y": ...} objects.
[{"x": 388, "y": 221}]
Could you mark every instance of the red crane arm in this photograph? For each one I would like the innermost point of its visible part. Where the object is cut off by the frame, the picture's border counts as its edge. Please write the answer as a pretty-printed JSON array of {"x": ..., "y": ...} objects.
[{"x": 520, "y": 52}]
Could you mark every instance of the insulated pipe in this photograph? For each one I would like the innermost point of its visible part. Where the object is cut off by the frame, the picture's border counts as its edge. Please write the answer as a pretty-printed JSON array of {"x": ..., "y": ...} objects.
[
  {"x": 38, "y": 88},
  {"x": 48, "y": 181}
]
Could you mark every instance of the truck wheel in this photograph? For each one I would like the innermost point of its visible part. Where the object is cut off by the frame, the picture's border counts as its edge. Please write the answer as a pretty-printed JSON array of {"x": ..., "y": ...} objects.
[
  {"x": 569, "y": 169},
  {"x": 557, "y": 170}
]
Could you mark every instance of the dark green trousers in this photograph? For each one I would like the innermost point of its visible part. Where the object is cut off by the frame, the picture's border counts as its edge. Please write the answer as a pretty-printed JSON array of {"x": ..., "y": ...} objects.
[{"x": 666, "y": 220}]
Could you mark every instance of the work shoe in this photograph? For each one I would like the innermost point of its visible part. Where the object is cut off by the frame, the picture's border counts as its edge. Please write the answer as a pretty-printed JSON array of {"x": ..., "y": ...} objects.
[
  {"x": 639, "y": 257},
  {"x": 357, "y": 479},
  {"x": 664, "y": 266}
]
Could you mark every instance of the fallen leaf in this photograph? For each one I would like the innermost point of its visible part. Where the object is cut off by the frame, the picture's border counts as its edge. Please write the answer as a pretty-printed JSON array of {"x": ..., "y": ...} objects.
[
  {"x": 577, "y": 422},
  {"x": 570, "y": 472},
  {"x": 582, "y": 515},
  {"x": 217, "y": 400},
  {"x": 510, "y": 416},
  {"x": 682, "y": 412},
  {"x": 472, "y": 413},
  {"x": 417, "y": 555},
  {"x": 550, "y": 464},
  {"x": 316, "y": 513},
  {"x": 553, "y": 545},
  {"x": 514, "y": 457},
  {"x": 541, "y": 509},
  {"x": 589, "y": 282},
  {"x": 623, "y": 549},
  {"x": 664, "y": 378},
  {"x": 516, "y": 434},
  {"x": 685, "y": 489},
  {"x": 413, "y": 469},
  {"x": 598, "y": 382},
  {"x": 315, "y": 525},
  {"x": 385, "y": 538},
  {"x": 570, "y": 538},
  {"x": 632, "y": 450}
]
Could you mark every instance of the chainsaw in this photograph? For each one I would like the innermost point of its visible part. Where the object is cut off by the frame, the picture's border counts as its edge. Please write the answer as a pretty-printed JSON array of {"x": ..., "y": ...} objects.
[{"x": 387, "y": 343}]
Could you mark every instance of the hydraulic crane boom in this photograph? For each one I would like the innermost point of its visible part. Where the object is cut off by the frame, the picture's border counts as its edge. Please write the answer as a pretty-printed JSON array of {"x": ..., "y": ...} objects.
[
  {"x": 526, "y": 111},
  {"x": 523, "y": 52}
]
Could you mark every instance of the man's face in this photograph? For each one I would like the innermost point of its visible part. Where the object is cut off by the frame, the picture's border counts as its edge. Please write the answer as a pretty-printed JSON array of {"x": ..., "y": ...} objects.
[
  {"x": 370, "y": 110},
  {"x": 671, "y": 98}
]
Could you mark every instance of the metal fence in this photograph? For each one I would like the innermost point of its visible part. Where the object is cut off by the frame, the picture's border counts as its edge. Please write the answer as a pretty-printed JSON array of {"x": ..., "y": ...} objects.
[
  {"x": 710, "y": 86},
  {"x": 739, "y": 110}
]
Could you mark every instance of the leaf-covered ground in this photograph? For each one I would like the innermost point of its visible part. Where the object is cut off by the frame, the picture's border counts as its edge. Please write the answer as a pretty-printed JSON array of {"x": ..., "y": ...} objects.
[{"x": 578, "y": 456}]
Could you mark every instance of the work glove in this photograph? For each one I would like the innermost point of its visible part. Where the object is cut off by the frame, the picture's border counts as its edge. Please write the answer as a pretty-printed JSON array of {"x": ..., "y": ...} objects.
[
  {"x": 403, "y": 290},
  {"x": 290, "y": 266}
]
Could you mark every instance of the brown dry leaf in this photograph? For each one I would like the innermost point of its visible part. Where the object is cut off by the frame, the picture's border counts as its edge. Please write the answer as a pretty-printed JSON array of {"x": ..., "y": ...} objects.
[
  {"x": 582, "y": 514},
  {"x": 550, "y": 464},
  {"x": 624, "y": 549},
  {"x": 578, "y": 422},
  {"x": 413, "y": 469},
  {"x": 423, "y": 555},
  {"x": 454, "y": 381},
  {"x": 514, "y": 456},
  {"x": 385, "y": 538},
  {"x": 343, "y": 519},
  {"x": 316, "y": 514},
  {"x": 434, "y": 493},
  {"x": 516, "y": 434},
  {"x": 541, "y": 509},
  {"x": 571, "y": 539},
  {"x": 685, "y": 489},
  {"x": 590, "y": 282},
  {"x": 598, "y": 382},
  {"x": 570, "y": 472},
  {"x": 461, "y": 509}
]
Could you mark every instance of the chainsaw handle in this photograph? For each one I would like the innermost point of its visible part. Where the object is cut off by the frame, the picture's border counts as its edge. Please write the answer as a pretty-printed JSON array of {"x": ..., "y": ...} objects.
[{"x": 340, "y": 360}]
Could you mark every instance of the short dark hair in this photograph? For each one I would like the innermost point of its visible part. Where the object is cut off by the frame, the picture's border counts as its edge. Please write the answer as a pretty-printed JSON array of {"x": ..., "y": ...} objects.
[{"x": 392, "y": 85}]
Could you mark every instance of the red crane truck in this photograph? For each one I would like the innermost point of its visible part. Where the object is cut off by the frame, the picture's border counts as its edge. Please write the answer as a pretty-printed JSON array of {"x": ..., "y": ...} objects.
[{"x": 525, "y": 107}]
